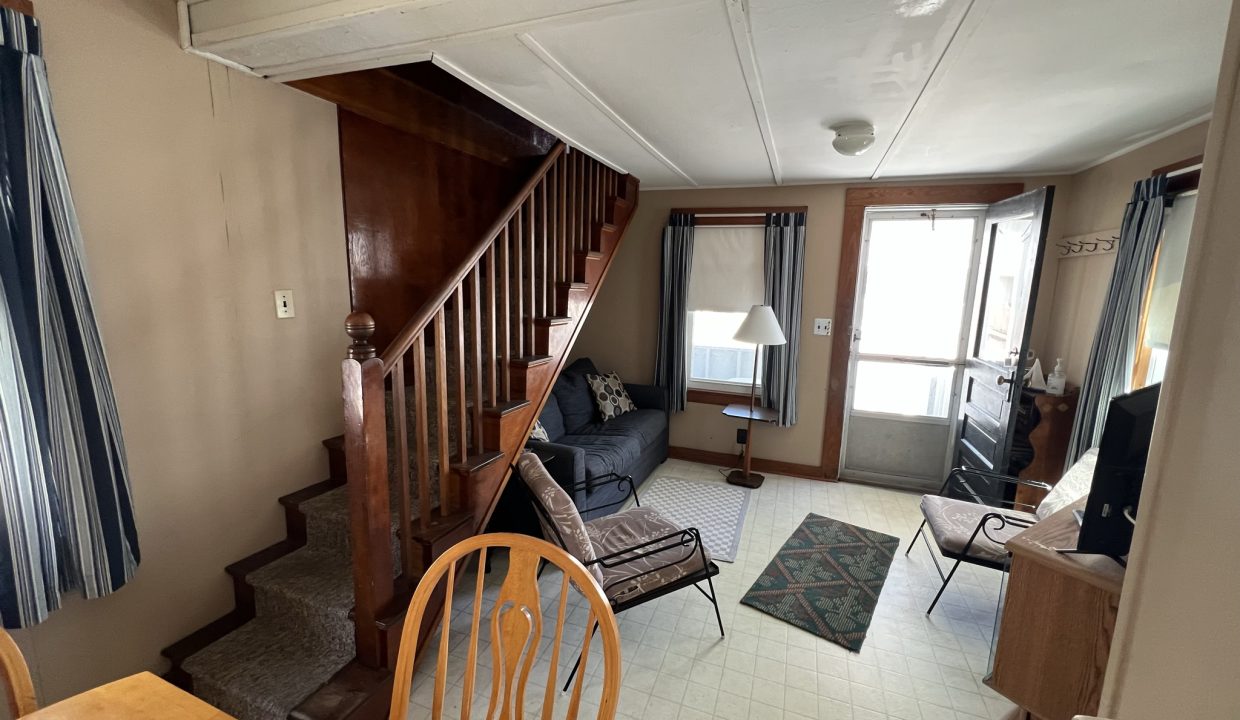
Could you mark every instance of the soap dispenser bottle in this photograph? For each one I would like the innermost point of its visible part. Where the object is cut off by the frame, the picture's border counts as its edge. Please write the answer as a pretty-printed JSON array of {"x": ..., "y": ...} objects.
[{"x": 1057, "y": 381}]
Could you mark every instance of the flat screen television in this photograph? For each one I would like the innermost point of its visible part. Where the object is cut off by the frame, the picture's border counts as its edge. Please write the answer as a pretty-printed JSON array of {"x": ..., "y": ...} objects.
[{"x": 1116, "y": 488}]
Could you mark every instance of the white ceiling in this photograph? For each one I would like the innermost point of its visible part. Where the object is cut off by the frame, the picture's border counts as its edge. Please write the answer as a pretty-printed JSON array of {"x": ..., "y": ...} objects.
[{"x": 741, "y": 92}]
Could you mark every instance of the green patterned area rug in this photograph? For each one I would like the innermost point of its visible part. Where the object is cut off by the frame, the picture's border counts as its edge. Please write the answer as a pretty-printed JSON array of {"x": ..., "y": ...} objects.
[{"x": 826, "y": 579}]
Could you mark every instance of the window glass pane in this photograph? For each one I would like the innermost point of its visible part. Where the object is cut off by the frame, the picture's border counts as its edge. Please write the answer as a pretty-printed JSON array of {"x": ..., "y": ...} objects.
[
  {"x": 714, "y": 355},
  {"x": 915, "y": 285},
  {"x": 1169, "y": 271},
  {"x": 903, "y": 389},
  {"x": 1003, "y": 316},
  {"x": 1157, "y": 367}
]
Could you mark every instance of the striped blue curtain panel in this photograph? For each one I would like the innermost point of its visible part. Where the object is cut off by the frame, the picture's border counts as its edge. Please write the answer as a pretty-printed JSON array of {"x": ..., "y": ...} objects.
[
  {"x": 66, "y": 512},
  {"x": 784, "y": 269},
  {"x": 671, "y": 361},
  {"x": 1114, "y": 351}
]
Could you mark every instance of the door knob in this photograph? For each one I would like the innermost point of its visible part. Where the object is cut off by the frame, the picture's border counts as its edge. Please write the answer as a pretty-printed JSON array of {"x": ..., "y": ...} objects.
[{"x": 1003, "y": 380}]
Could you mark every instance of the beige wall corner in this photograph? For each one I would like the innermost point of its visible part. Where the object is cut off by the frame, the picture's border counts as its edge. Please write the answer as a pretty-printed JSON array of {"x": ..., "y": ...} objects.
[
  {"x": 1175, "y": 653},
  {"x": 200, "y": 191}
]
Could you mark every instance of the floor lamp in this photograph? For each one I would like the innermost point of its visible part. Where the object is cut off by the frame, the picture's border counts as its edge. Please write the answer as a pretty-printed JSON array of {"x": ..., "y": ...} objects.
[{"x": 760, "y": 328}]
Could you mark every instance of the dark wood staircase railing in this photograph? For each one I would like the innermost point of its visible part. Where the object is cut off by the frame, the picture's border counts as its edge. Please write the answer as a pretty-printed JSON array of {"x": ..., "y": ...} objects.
[{"x": 434, "y": 422}]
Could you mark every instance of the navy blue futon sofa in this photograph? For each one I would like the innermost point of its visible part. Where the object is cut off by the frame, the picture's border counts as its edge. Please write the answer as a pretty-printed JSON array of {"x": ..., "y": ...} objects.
[{"x": 586, "y": 454}]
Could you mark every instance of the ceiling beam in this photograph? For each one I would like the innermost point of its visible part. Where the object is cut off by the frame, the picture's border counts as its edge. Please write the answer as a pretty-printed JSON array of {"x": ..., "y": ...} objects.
[
  {"x": 742, "y": 38},
  {"x": 465, "y": 77},
  {"x": 969, "y": 23},
  {"x": 601, "y": 105}
]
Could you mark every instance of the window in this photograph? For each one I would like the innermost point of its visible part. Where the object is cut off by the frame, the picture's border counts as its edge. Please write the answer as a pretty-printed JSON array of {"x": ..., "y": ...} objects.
[
  {"x": 715, "y": 357},
  {"x": 1163, "y": 294},
  {"x": 725, "y": 282}
]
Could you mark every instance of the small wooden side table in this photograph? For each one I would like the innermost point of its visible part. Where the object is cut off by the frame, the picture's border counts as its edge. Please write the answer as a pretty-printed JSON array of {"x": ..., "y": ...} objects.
[{"x": 744, "y": 478}]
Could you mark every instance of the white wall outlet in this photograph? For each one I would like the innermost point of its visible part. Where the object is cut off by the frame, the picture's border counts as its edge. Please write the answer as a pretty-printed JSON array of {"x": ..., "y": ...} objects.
[
  {"x": 822, "y": 326},
  {"x": 284, "y": 304}
]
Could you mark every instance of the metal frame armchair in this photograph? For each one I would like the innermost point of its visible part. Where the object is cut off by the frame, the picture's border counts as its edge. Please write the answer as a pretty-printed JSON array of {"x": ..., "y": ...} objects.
[
  {"x": 973, "y": 533},
  {"x": 969, "y": 532},
  {"x": 635, "y": 555}
]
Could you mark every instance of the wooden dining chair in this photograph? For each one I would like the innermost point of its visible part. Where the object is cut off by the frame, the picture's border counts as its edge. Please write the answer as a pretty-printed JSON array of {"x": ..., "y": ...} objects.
[
  {"x": 515, "y": 628},
  {"x": 18, "y": 687}
]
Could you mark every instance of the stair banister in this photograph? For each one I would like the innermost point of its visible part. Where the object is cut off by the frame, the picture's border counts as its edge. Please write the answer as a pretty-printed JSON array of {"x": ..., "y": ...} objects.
[
  {"x": 365, "y": 436},
  {"x": 497, "y": 310}
]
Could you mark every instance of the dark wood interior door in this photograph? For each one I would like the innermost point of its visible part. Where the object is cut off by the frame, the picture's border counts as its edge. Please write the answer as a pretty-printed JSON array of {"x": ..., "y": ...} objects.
[{"x": 1007, "y": 284}]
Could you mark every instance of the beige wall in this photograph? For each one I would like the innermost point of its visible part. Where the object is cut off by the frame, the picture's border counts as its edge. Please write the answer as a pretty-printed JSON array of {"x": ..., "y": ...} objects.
[
  {"x": 1176, "y": 651},
  {"x": 200, "y": 191},
  {"x": 1096, "y": 202}
]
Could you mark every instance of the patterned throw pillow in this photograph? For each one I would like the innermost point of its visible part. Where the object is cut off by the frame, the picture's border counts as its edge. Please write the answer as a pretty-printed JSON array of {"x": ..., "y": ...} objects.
[
  {"x": 610, "y": 396},
  {"x": 562, "y": 521},
  {"x": 539, "y": 433}
]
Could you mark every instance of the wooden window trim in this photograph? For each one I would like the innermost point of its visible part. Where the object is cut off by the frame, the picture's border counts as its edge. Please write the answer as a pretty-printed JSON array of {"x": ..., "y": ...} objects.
[
  {"x": 25, "y": 7},
  {"x": 741, "y": 210},
  {"x": 716, "y": 397},
  {"x": 733, "y": 216},
  {"x": 856, "y": 200}
]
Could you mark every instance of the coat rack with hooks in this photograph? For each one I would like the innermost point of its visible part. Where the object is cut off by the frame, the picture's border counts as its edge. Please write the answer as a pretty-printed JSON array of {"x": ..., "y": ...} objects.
[{"x": 1088, "y": 245}]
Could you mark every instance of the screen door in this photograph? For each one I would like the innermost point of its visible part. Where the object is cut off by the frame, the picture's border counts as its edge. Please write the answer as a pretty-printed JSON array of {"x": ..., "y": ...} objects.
[{"x": 910, "y": 331}]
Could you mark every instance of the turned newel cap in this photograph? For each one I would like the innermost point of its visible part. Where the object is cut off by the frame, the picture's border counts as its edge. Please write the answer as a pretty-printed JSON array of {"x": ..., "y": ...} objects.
[{"x": 360, "y": 326}]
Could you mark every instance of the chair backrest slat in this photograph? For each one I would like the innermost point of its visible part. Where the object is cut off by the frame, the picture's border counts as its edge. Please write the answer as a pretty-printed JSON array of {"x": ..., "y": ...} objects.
[
  {"x": 574, "y": 705},
  {"x": 516, "y": 630},
  {"x": 445, "y": 625},
  {"x": 471, "y": 662},
  {"x": 549, "y": 696}
]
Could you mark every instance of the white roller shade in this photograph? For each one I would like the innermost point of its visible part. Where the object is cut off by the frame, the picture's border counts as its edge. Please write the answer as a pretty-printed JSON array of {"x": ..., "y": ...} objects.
[
  {"x": 727, "y": 269},
  {"x": 1165, "y": 293}
]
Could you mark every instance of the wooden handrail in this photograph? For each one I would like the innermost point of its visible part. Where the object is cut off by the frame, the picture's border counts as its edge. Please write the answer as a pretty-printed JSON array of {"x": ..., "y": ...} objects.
[{"x": 412, "y": 329}]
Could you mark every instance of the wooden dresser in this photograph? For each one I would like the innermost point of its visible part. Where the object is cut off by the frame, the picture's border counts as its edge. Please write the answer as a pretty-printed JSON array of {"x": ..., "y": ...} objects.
[{"x": 1057, "y": 619}]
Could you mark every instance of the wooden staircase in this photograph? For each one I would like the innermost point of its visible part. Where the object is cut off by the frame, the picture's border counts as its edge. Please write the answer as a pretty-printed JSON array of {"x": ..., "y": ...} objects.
[{"x": 434, "y": 422}]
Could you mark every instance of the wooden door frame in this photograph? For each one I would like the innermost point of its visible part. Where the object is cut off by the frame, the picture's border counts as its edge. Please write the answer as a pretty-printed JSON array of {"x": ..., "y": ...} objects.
[{"x": 856, "y": 200}]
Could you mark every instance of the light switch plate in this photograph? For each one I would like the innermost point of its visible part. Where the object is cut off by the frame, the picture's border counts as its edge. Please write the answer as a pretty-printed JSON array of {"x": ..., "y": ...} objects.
[
  {"x": 822, "y": 326},
  {"x": 284, "y": 304}
]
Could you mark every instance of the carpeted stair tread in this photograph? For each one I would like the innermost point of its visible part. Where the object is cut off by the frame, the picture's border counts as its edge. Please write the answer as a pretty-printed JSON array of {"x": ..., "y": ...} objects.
[
  {"x": 261, "y": 671},
  {"x": 310, "y": 593}
]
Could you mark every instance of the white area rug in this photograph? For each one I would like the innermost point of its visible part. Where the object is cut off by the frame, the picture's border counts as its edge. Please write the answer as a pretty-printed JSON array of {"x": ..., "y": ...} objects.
[{"x": 717, "y": 510}]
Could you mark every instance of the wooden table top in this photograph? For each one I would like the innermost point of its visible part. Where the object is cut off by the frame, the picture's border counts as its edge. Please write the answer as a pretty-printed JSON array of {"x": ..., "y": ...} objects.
[
  {"x": 137, "y": 697},
  {"x": 741, "y": 410},
  {"x": 1059, "y": 531}
]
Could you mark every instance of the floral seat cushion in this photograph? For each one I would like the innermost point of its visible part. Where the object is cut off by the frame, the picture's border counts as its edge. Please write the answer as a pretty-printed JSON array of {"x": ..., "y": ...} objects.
[
  {"x": 952, "y": 523},
  {"x": 627, "y": 579}
]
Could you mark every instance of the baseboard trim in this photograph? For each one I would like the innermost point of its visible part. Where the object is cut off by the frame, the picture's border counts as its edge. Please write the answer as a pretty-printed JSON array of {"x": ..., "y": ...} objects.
[{"x": 710, "y": 457}]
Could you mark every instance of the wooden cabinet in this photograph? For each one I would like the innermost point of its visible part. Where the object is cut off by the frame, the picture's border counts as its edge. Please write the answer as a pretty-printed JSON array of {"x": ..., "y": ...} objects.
[{"x": 1056, "y": 624}]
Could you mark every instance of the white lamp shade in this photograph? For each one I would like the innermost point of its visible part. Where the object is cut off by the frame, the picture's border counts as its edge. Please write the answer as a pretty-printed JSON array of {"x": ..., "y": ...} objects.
[{"x": 760, "y": 327}]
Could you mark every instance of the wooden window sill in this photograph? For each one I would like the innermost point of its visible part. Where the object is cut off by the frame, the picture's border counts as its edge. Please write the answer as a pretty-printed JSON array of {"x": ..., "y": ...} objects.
[{"x": 715, "y": 397}]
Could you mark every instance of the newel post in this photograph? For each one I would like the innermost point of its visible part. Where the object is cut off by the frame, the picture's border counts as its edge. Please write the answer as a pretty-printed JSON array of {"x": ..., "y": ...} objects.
[{"x": 365, "y": 445}]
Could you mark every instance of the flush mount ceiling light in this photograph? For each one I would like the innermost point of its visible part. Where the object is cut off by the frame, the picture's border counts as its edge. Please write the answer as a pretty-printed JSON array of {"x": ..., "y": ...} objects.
[{"x": 852, "y": 138}]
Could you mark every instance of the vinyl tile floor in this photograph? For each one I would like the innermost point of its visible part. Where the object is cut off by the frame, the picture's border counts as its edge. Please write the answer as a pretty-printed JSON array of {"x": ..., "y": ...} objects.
[{"x": 675, "y": 665}]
